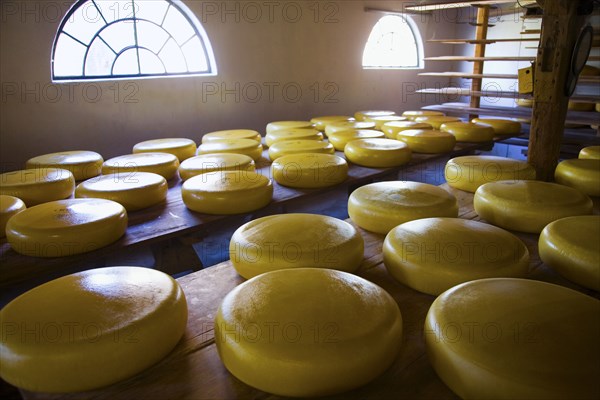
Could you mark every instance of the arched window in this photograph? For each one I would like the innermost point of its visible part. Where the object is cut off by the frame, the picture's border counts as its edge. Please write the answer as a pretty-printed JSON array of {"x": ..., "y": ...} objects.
[
  {"x": 394, "y": 42},
  {"x": 125, "y": 39}
]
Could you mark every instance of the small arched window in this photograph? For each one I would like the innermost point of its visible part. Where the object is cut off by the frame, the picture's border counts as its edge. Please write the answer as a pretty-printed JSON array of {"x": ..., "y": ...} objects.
[
  {"x": 394, "y": 42},
  {"x": 127, "y": 39}
]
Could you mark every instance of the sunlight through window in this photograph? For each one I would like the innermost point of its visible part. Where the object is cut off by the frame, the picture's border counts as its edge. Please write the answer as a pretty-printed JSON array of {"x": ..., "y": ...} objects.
[{"x": 394, "y": 42}]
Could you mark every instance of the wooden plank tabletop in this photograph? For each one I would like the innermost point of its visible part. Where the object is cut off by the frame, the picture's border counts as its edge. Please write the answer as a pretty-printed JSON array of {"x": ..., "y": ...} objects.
[{"x": 193, "y": 369}]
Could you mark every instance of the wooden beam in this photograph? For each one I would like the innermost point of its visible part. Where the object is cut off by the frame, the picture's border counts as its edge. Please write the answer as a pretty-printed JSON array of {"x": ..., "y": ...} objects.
[{"x": 483, "y": 14}]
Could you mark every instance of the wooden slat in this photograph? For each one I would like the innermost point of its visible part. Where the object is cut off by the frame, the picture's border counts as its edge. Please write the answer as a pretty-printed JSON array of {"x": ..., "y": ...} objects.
[
  {"x": 456, "y": 91},
  {"x": 472, "y": 59},
  {"x": 483, "y": 14},
  {"x": 481, "y": 41},
  {"x": 443, "y": 5},
  {"x": 467, "y": 75}
]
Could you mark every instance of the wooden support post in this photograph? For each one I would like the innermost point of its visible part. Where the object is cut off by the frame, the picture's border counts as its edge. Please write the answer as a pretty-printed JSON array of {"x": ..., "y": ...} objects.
[
  {"x": 560, "y": 28},
  {"x": 483, "y": 14}
]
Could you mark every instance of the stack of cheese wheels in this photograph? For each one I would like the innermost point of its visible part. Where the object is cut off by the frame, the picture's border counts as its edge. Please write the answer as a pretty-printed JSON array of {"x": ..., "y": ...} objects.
[
  {"x": 432, "y": 255},
  {"x": 179, "y": 147},
  {"x": 309, "y": 170},
  {"x": 359, "y": 332},
  {"x": 9, "y": 206},
  {"x": 379, "y": 121},
  {"x": 469, "y": 172},
  {"x": 295, "y": 241},
  {"x": 66, "y": 227},
  {"x": 292, "y": 134},
  {"x": 278, "y": 125},
  {"x": 528, "y": 206},
  {"x": 580, "y": 106},
  {"x": 287, "y": 147},
  {"x": 570, "y": 246},
  {"x": 412, "y": 115},
  {"x": 90, "y": 323},
  {"x": 379, "y": 207},
  {"x": 215, "y": 162},
  {"x": 82, "y": 164},
  {"x": 377, "y": 153},
  {"x": 231, "y": 134},
  {"x": 590, "y": 152},
  {"x": 506, "y": 338},
  {"x": 428, "y": 141},
  {"x": 582, "y": 174},
  {"x": 227, "y": 192},
  {"x": 436, "y": 121},
  {"x": 320, "y": 123},
  {"x": 391, "y": 129},
  {"x": 362, "y": 115},
  {"x": 38, "y": 185},
  {"x": 145, "y": 190},
  {"x": 525, "y": 103},
  {"x": 346, "y": 125},
  {"x": 469, "y": 131},
  {"x": 341, "y": 138},
  {"x": 163, "y": 164},
  {"x": 247, "y": 147},
  {"x": 500, "y": 126}
]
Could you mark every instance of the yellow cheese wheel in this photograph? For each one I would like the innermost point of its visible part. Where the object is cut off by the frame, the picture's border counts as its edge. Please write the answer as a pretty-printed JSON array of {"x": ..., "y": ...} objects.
[
  {"x": 570, "y": 246},
  {"x": 524, "y": 102},
  {"x": 66, "y": 227},
  {"x": 580, "y": 106},
  {"x": 309, "y": 170},
  {"x": 344, "y": 126},
  {"x": 581, "y": 174},
  {"x": 436, "y": 121},
  {"x": 377, "y": 153},
  {"x": 427, "y": 140},
  {"x": 321, "y": 122},
  {"x": 500, "y": 126},
  {"x": 469, "y": 131},
  {"x": 278, "y": 125},
  {"x": 232, "y": 134},
  {"x": 287, "y": 147},
  {"x": 307, "y": 332},
  {"x": 215, "y": 162},
  {"x": 528, "y": 206},
  {"x": 379, "y": 207},
  {"x": 412, "y": 115},
  {"x": 179, "y": 147},
  {"x": 227, "y": 192},
  {"x": 295, "y": 241},
  {"x": 506, "y": 338},
  {"x": 469, "y": 172},
  {"x": 391, "y": 129},
  {"x": 379, "y": 121},
  {"x": 82, "y": 164},
  {"x": 341, "y": 138},
  {"x": 432, "y": 255},
  {"x": 9, "y": 206},
  {"x": 38, "y": 185},
  {"x": 361, "y": 115},
  {"x": 597, "y": 107},
  {"x": 163, "y": 164},
  {"x": 292, "y": 134},
  {"x": 90, "y": 329},
  {"x": 592, "y": 152},
  {"x": 248, "y": 147},
  {"x": 143, "y": 190}
]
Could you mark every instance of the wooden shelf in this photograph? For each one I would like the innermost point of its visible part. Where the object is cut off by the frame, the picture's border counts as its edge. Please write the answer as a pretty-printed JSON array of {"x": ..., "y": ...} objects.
[
  {"x": 443, "y": 5},
  {"x": 481, "y": 41},
  {"x": 461, "y": 58},
  {"x": 467, "y": 75},
  {"x": 454, "y": 91}
]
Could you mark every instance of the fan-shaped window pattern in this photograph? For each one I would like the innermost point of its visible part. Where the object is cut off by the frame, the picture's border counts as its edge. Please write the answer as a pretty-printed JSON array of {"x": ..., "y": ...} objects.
[
  {"x": 394, "y": 42},
  {"x": 112, "y": 39}
]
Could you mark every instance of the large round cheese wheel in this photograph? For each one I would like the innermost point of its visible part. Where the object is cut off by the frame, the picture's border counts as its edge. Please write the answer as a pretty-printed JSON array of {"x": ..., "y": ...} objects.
[
  {"x": 411, "y": 115},
  {"x": 469, "y": 172},
  {"x": 361, "y": 115},
  {"x": 592, "y": 152},
  {"x": 391, "y": 129},
  {"x": 66, "y": 227},
  {"x": 597, "y": 107},
  {"x": 215, "y": 162},
  {"x": 469, "y": 131},
  {"x": 278, "y": 125},
  {"x": 505, "y": 338},
  {"x": 528, "y": 206},
  {"x": 227, "y": 192},
  {"x": 436, "y": 121},
  {"x": 341, "y": 138},
  {"x": 380, "y": 120},
  {"x": 38, "y": 185},
  {"x": 377, "y": 153},
  {"x": 570, "y": 246},
  {"x": 232, "y": 134},
  {"x": 179, "y": 147},
  {"x": 581, "y": 174},
  {"x": 379, "y": 207},
  {"x": 163, "y": 164},
  {"x": 307, "y": 332},
  {"x": 287, "y": 147},
  {"x": 427, "y": 140},
  {"x": 432, "y": 255},
  {"x": 321, "y": 122},
  {"x": 247, "y": 147},
  {"x": 524, "y": 102},
  {"x": 82, "y": 164},
  {"x": 580, "y": 106},
  {"x": 500, "y": 126},
  {"x": 346, "y": 125},
  {"x": 292, "y": 134},
  {"x": 295, "y": 241},
  {"x": 309, "y": 170},
  {"x": 143, "y": 190},
  {"x": 9, "y": 206},
  {"x": 90, "y": 329}
]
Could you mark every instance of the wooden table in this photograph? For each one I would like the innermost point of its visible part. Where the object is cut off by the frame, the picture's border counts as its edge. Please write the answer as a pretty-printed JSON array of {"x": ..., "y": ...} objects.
[{"x": 193, "y": 370}]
